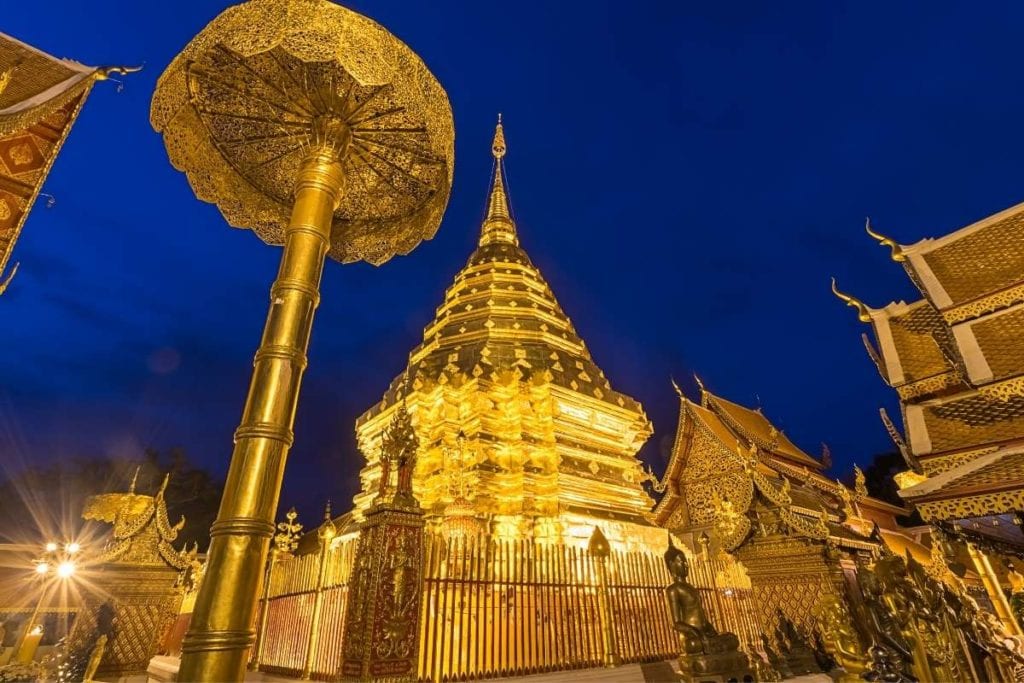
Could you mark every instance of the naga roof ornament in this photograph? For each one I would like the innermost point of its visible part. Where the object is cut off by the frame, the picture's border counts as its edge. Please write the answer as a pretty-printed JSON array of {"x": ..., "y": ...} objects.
[{"x": 895, "y": 248}]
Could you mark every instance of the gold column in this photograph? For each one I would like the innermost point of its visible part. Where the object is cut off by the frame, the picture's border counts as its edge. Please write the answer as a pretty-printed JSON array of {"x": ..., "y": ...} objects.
[
  {"x": 994, "y": 590},
  {"x": 221, "y": 632}
]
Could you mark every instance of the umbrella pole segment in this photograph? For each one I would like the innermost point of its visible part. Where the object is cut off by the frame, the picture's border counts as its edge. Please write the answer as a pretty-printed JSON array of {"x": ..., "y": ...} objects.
[{"x": 221, "y": 633}]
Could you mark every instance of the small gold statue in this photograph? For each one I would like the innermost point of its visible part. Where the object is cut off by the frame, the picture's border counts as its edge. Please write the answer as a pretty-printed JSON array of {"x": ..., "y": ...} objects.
[
  {"x": 95, "y": 658},
  {"x": 840, "y": 639},
  {"x": 706, "y": 652}
]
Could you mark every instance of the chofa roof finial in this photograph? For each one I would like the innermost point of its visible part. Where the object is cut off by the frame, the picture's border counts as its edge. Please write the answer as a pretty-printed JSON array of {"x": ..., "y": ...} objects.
[
  {"x": 895, "y": 248},
  {"x": 863, "y": 312}
]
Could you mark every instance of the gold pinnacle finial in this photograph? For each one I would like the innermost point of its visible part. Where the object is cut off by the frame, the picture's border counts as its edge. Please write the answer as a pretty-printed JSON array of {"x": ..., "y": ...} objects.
[
  {"x": 679, "y": 392},
  {"x": 863, "y": 312},
  {"x": 700, "y": 384},
  {"x": 498, "y": 225},
  {"x": 498, "y": 146},
  {"x": 895, "y": 248}
]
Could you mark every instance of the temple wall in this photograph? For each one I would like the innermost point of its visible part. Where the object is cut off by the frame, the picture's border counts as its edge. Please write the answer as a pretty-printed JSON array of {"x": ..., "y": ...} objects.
[{"x": 791, "y": 575}]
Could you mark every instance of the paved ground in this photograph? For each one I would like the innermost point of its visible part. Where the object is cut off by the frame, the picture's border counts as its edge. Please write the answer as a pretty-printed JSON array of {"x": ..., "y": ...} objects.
[
  {"x": 631, "y": 673},
  {"x": 659, "y": 672}
]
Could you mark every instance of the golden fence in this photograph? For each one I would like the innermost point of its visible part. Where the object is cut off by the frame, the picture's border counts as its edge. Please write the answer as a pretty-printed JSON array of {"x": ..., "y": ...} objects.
[
  {"x": 506, "y": 608},
  {"x": 729, "y": 602},
  {"x": 495, "y": 608},
  {"x": 295, "y": 586}
]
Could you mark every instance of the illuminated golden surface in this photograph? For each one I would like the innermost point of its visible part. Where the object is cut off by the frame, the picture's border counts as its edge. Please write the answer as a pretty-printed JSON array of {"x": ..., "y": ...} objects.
[
  {"x": 242, "y": 103},
  {"x": 316, "y": 128},
  {"x": 998, "y": 245},
  {"x": 139, "y": 572},
  {"x": 549, "y": 447},
  {"x": 956, "y": 361}
]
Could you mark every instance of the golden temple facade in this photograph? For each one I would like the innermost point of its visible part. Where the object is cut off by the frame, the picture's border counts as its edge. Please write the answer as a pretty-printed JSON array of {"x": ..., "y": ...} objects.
[
  {"x": 521, "y": 434},
  {"x": 738, "y": 482},
  {"x": 956, "y": 361}
]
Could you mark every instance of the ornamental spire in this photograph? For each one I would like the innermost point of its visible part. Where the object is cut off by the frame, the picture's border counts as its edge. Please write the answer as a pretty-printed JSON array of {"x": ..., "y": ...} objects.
[{"x": 498, "y": 226}]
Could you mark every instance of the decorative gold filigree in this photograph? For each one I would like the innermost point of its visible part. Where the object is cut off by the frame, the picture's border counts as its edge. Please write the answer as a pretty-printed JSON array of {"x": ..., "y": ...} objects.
[
  {"x": 242, "y": 103},
  {"x": 987, "y": 304}
]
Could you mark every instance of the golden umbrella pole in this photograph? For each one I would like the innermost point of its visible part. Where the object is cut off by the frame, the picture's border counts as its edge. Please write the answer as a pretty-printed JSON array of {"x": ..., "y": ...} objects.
[
  {"x": 308, "y": 107},
  {"x": 218, "y": 641}
]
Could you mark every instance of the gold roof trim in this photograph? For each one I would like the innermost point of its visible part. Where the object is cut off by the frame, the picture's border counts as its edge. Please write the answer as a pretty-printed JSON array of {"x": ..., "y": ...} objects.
[
  {"x": 142, "y": 533},
  {"x": 36, "y": 84},
  {"x": 998, "y": 470},
  {"x": 755, "y": 427},
  {"x": 40, "y": 99},
  {"x": 895, "y": 248},
  {"x": 863, "y": 311}
]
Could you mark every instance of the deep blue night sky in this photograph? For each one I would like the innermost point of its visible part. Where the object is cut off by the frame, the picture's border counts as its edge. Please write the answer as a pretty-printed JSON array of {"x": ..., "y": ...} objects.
[{"x": 686, "y": 175}]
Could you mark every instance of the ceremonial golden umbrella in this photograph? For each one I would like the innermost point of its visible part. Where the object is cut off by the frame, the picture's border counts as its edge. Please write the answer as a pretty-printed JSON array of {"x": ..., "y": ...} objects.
[{"x": 319, "y": 130}]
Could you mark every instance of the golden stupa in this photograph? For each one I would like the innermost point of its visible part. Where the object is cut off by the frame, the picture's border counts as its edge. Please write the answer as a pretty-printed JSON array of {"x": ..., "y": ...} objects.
[{"x": 548, "y": 447}]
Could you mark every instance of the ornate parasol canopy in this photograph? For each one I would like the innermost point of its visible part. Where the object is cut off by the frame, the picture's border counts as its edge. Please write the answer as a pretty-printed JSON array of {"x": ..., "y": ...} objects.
[{"x": 244, "y": 101}]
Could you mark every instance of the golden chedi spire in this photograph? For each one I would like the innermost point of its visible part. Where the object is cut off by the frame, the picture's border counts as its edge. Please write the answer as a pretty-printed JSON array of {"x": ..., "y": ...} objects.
[
  {"x": 498, "y": 225},
  {"x": 548, "y": 445}
]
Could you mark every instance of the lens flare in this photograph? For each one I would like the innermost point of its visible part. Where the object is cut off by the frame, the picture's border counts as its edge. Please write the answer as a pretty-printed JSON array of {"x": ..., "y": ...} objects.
[{"x": 65, "y": 569}]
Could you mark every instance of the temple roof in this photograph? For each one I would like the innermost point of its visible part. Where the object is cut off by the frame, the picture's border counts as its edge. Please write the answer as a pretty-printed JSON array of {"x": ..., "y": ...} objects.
[
  {"x": 978, "y": 417},
  {"x": 979, "y": 260},
  {"x": 1002, "y": 469},
  {"x": 40, "y": 98},
  {"x": 913, "y": 338},
  {"x": 956, "y": 361},
  {"x": 747, "y": 453},
  {"x": 501, "y": 316},
  {"x": 754, "y": 427},
  {"x": 33, "y": 84}
]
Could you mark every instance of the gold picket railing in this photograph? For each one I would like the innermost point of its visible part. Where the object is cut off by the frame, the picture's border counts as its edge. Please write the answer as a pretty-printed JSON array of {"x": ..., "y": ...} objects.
[
  {"x": 731, "y": 607},
  {"x": 495, "y": 608},
  {"x": 503, "y": 608},
  {"x": 295, "y": 585}
]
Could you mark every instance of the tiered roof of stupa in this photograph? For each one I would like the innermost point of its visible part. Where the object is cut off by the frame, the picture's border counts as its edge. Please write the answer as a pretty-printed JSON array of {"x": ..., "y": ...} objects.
[{"x": 548, "y": 437}]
